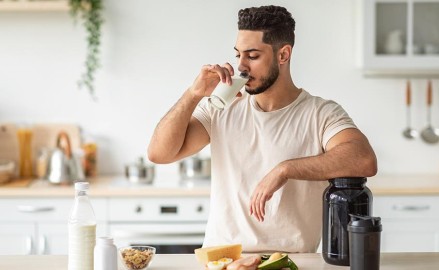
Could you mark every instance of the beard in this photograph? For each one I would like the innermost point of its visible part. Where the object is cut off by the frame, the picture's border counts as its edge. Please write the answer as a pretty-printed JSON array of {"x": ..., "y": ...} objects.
[{"x": 266, "y": 82}]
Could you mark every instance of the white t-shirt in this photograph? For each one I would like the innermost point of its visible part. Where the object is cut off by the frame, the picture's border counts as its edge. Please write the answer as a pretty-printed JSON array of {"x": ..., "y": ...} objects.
[{"x": 246, "y": 144}]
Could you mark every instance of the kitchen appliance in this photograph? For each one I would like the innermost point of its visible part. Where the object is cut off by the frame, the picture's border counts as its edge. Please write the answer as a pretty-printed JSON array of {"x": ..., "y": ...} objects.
[
  {"x": 195, "y": 168},
  {"x": 140, "y": 172},
  {"x": 170, "y": 224},
  {"x": 343, "y": 196},
  {"x": 64, "y": 167}
]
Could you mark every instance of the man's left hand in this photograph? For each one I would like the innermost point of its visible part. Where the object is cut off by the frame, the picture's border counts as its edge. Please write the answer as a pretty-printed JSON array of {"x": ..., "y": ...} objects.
[{"x": 272, "y": 182}]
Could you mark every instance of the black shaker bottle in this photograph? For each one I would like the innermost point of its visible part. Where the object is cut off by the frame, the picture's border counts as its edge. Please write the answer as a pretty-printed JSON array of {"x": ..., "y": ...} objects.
[
  {"x": 343, "y": 196},
  {"x": 364, "y": 242}
]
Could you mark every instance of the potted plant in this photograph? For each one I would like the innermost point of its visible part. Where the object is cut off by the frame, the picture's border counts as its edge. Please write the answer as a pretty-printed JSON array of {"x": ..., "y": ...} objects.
[{"x": 90, "y": 12}]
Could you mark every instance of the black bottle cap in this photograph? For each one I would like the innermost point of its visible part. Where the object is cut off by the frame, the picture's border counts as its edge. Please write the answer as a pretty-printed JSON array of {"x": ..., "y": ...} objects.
[{"x": 364, "y": 224}]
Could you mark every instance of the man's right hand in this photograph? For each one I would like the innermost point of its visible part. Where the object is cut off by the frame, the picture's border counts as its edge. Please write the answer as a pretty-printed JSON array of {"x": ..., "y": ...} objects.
[{"x": 209, "y": 77}]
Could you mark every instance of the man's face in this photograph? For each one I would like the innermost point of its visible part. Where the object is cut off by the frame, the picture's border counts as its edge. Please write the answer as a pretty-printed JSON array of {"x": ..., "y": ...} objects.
[{"x": 257, "y": 59}]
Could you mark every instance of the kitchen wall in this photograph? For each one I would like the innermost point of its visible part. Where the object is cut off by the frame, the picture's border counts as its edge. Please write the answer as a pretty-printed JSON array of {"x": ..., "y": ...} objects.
[{"x": 152, "y": 51}]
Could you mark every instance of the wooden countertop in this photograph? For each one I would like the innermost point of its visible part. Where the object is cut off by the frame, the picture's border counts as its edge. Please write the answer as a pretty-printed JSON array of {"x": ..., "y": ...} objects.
[
  {"x": 118, "y": 186},
  {"x": 389, "y": 261},
  {"x": 108, "y": 186},
  {"x": 404, "y": 185}
]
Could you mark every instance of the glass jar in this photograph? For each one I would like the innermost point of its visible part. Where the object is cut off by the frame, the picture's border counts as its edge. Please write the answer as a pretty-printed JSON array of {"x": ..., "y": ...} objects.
[
  {"x": 343, "y": 196},
  {"x": 24, "y": 135}
]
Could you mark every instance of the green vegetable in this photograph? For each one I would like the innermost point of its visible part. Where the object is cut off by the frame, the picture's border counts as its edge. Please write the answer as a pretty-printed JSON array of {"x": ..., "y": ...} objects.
[{"x": 282, "y": 262}]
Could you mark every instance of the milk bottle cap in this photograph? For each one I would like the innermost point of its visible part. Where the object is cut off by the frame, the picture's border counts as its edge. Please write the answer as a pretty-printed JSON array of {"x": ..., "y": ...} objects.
[{"x": 81, "y": 186}]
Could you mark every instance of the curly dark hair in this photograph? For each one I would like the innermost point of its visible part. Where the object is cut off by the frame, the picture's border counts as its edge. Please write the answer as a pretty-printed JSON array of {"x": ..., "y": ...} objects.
[{"x": 275, "y": 22}]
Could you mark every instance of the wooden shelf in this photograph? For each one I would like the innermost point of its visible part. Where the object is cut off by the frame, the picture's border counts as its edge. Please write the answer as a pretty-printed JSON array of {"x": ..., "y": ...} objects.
[{"x": 36, "y": 5}]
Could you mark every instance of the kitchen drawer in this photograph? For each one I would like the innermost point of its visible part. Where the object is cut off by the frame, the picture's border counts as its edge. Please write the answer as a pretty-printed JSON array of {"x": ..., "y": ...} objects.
[
  {"x": 406, "y": 207},
  {"x": 159, "y": 209},
  {"x": 44, "y": 209}
]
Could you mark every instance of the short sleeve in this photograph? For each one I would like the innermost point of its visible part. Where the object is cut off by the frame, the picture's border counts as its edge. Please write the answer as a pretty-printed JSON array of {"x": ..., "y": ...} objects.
[
  {"x": 202, "y": 114},
  {"x": 333, "y": 119}
]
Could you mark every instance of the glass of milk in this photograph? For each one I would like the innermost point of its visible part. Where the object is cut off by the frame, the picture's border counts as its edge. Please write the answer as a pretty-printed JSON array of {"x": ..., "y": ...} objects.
[{"x": 224, "y": 94}]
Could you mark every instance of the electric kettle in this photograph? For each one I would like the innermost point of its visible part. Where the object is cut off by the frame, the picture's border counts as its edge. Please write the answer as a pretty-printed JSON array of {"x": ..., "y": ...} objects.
[{"x": 64, "y": 167}]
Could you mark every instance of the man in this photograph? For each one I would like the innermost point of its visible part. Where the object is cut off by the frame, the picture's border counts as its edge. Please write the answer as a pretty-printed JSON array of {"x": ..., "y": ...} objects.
[{"x": 272, "y": 148}]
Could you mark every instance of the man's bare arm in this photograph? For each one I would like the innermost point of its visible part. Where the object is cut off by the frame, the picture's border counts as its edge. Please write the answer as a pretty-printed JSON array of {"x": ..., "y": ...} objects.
[
  {"x": 348, "y": 154},
  {"x": 178, "y": 134}
]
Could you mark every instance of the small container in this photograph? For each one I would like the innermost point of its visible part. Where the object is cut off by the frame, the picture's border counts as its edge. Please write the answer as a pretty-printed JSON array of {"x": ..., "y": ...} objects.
[
  {"x": 364, "y": 242},
  {"x": 343, "y": 196},
  {"x": 140, "y": 172},
  {"x": 42, "y": 163},
  {"x": 105, "y": 254},
  {"x": 136, "y": 257}
]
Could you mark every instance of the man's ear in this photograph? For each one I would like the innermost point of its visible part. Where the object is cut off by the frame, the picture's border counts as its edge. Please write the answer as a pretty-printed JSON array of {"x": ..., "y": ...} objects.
[{"x": 285, "y": 54}]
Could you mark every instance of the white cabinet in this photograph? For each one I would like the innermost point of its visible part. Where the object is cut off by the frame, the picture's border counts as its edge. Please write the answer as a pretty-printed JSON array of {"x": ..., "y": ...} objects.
[
  {"x": 399, "y": 38},
  {"x": 17, "y": 238},
  {"x": 410, "y": 223},
  {"x": 39, "y": 226}
]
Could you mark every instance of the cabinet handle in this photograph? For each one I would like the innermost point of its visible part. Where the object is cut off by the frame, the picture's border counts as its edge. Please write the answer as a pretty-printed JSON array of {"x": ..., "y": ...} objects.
[
  {"x": 34, "y": 209},
  {"x": 412, "y": 208},
  {"x": 42, "y": 245},
  {"x": 28, "y": 243},
  {"x": 127, "y": 234}
]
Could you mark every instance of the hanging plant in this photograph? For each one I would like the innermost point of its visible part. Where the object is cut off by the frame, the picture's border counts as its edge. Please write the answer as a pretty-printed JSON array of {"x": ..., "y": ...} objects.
[{"x": 90, "y": 11}]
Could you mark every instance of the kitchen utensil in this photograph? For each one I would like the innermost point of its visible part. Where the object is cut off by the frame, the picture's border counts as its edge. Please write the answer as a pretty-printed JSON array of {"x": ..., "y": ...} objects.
[
  {"x": 409, "y": 132},
  {"x": 64, "y": 167},
  {"x": 140, "y": 172},
  {"x": 430, "y": 134},
  {"x": 7, "y": 170},
  {"x": 195, "y": 167}
]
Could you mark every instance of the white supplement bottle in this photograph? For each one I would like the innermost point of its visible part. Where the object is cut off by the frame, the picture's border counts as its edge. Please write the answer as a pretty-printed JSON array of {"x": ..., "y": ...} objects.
[
  {"x": 82, "y": 230},
  {"x": 105, "y": 254}
]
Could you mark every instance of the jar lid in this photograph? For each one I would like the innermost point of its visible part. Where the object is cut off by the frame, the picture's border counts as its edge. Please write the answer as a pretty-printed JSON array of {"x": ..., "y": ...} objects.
[
  {"x": 364, "y": 224},
  {"x": 348, "y": 181}
]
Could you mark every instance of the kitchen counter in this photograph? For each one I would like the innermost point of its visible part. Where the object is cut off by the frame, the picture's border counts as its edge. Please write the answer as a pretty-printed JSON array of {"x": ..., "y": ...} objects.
[
  {"x": 389, "y": 261},
  {"x": 108, "y": 186},
  {"x": 118, "y": 186}
]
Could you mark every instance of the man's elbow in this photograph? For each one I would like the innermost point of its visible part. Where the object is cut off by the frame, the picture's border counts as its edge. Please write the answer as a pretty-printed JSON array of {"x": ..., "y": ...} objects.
[
  {"x": 370, "y": 166},
  {"x": 155, "y": 156}
]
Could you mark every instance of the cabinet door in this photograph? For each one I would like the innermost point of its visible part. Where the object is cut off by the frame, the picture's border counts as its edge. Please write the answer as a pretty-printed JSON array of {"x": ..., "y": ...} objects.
[
  {"x": 399, "y": 37},
  {"x": 408, "y": 235},
  {"x": 53, "y": 237},
  {"x": 17, "y": 238},
  {"x": 410, "y": 223}
]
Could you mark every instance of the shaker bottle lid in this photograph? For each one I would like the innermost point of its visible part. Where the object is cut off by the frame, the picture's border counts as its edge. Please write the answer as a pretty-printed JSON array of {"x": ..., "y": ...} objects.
[
  {"x": 364, "y": 224},
  {"x": 81, "y": 185}
]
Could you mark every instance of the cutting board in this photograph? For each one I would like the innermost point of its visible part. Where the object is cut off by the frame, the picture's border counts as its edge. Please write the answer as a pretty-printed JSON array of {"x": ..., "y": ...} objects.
[
  {"x": 43, "y": 136},
  {"x": 17, "y": 183}
]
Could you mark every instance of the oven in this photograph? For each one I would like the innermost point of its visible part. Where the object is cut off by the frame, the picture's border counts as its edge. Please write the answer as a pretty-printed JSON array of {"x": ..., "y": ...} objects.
[{"x": 173, "y": 225}]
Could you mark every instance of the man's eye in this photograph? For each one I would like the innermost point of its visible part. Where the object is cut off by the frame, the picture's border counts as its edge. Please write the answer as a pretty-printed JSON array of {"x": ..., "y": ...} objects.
[{"x": 237, "y": 56}]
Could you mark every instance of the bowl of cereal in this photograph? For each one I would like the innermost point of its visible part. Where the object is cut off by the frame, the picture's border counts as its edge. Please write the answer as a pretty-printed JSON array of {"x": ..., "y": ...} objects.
[{"x": 136, "y": 257}]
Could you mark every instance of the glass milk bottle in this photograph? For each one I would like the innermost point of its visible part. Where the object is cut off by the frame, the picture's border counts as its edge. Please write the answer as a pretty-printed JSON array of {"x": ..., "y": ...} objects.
[{"x": 82, "y": 230}]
